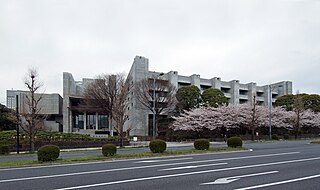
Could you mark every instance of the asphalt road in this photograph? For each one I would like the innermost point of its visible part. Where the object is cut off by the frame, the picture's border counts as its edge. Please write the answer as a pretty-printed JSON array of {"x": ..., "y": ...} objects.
[{"x": 276, "y": 165}]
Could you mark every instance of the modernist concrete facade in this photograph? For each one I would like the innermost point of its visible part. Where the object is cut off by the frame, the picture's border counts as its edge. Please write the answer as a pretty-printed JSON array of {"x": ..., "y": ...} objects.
[
  {"x": 77, "y": 118},
  {"x": 236, "y": 92},
  {"x": 50, "y": 105}
]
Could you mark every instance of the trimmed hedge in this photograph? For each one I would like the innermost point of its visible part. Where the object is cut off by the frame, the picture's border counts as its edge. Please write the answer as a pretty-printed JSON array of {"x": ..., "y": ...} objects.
[
  {"x": 234, "y": 142},
  {"x": 109, "y": 149},
  {"x": 4, "y": 149},
  {"x": 48, "y": 153},
  {"x": 286, "y": 136},
  {"x": 201, "y": 144},
  {"x": 275, "y": 137},
  {"x": 158, "y": 146}
]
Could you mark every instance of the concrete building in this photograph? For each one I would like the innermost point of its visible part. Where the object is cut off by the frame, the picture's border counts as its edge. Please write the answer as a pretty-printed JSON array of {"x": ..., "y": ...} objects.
[
  {"x": 86, "y": 119},
  {"x": 236, "y": 92},
  {"x": 76, "y": 116},
  {"x": 50, "y": 105}
]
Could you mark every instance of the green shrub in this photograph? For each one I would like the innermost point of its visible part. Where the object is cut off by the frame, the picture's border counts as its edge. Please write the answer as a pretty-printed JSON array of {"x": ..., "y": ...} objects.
[
  {"x": 4, "y": 149},
  {"x": 109, "y": 149},
  {"x": 275, "y": 137},
  {"x": 201, "y": 144},
  {"x": 234, "y": 142},
  {"x": 48, "y": 153},
  {"x": 286, "y": 136},
  {"x": 158, "y": 146}
]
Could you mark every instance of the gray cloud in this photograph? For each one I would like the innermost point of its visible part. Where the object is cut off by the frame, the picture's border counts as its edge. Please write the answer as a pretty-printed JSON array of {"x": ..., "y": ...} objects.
[{"x": 249, "y": 40}]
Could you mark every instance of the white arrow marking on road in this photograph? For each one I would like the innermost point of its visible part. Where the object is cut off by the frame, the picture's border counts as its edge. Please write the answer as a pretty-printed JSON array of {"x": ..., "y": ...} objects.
[
  {"x": 163, "y": 160},
  {"x": 191, "y": 167},
  {"x": 235, "y": 178}
]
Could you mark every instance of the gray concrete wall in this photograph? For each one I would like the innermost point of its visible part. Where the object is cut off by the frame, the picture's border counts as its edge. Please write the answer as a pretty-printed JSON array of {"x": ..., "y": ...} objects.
[{"x": 139, "y": 70}]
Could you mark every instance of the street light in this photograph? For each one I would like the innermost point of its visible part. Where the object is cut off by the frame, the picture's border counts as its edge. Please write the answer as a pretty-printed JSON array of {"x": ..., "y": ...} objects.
[
  {"x": 154, "y": 130},
  {"x": 17, "y": 124},
  {"x": 270, "y": 106}
]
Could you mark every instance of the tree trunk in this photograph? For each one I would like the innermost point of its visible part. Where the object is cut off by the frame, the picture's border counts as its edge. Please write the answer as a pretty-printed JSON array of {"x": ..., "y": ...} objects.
[
  {"x": 31, "y": 143},
  {"x": 252, "y": 134},
  {"x": 121, "y": 139}
]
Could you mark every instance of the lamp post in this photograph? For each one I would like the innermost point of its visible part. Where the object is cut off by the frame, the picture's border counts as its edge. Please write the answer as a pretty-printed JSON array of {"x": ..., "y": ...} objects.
[
  {"x": 154, "y": 128},
  {"x": 17, "y": 125},
  {"x": 270, "y": 106}
]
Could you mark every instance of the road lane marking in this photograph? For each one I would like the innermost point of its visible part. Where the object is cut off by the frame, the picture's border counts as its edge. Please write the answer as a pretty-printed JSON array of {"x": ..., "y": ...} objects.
[
  {"x": 192, "y": 167},
  {"x": 189, "y": 173},
  {"x": 107, "y": 161},
  {"x": 279, "y": 183},
  {"x": 163, "y": 160},
  {"x": 142, "y": 167},
  {"x": 235, "y": 178}
]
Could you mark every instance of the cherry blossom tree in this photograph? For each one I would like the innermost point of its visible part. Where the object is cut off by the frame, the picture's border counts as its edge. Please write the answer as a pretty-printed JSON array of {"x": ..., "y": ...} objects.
[
  {"x": 207, "y": 117},
  {"x": 242, "y": 115},
  {"x": 252, "y": 116},
  {"x": 304, "y": 119}
]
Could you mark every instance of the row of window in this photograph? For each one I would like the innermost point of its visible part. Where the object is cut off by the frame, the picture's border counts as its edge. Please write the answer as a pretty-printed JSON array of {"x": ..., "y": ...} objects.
[{"x": 91, "y": 121}]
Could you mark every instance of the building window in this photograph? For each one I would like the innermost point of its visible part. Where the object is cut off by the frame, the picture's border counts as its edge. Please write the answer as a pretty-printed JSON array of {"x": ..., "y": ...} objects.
[
  {"x": 103, "y": 122},
  {"x": 260, "y": 94},
  {"x": 91, "y": 121},
  {"x": 79, "y": 121},
  {"x": 11, "y": 102},
  {"x": 225, "y": 89},
  {"x": 243, "y": 92}
]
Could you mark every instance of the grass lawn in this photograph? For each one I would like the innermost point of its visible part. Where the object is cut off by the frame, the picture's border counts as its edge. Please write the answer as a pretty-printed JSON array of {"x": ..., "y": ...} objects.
[{"x": 117, "y": 156}]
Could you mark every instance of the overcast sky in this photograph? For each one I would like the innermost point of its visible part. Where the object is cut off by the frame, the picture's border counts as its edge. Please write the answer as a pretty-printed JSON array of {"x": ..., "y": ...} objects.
[{"x": 262, "y": 41}]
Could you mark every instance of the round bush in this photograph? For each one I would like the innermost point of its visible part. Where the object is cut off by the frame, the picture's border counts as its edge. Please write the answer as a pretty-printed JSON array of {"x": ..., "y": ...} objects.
[
  {"x": 109, "y": 149},
  {"x": 158, "y": 146},
  {"x": 48, "y": 153},
  {"x": 201, "y": 144},
  {"x": 234, "y": 142},
  {"x": 275, "y": 137}
]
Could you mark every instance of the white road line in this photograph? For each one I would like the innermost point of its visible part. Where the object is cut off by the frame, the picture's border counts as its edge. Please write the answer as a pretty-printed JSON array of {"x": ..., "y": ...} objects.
[
  {"x": 280, "y": 182},
  {"x": 234, "y": 178},
  {"x": 163, "y": 160},
  {"x": 189, "y": 173},
  {"x": 192, "y": 167},
  {"x": 142, "y": 167}
]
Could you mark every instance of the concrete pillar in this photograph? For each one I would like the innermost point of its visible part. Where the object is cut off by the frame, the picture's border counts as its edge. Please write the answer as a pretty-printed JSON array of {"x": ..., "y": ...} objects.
[
  {"x": 252, "y": 91},
  {"x": 195, "y": 80},
  {"x": 235, "y": 92},
  {"x": 110, "y": 127},
  {"x": 85, "y": 121},
  {"x": 97, "y": 121},
  {"x": 173, "y": 78},
  {"x": 216, "y": 83},
  {"x": 70, "y": 126}
]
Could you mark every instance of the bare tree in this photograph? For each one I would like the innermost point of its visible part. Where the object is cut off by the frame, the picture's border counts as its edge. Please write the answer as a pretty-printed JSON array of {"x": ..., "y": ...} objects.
[
  {"x": 110, "y": 92},
  {"x": 32, "y": 119},
  {"x": 164, "y": 100}
]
